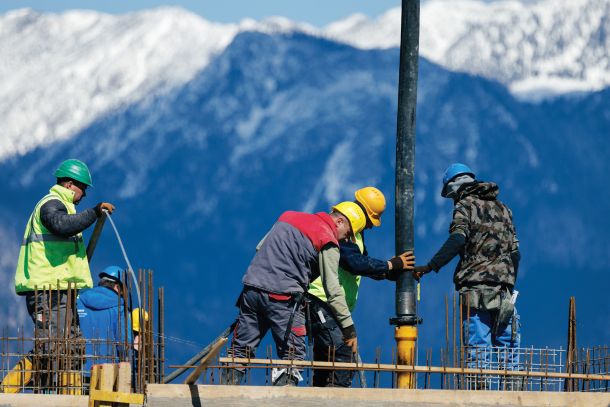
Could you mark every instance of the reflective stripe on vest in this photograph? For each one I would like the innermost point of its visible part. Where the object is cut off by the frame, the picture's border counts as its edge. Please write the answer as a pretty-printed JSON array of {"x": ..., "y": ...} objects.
[
  {"x": 50, "y": 261},
  {"x": 349, "y": 282},
  {"x": 36, "y": 237}
]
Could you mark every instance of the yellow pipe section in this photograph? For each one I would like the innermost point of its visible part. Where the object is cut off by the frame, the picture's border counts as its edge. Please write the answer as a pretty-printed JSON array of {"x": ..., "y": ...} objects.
[{"x": 406, "y": 337}]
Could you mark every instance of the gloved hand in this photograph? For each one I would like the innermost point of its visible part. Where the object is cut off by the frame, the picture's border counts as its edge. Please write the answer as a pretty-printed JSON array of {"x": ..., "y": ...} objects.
[
  {"x": 103, "y": 205},
  {"x": 405, "y": 261},
  {"x": 419, "y": 271},
  {"x": 349, "y": 337}
]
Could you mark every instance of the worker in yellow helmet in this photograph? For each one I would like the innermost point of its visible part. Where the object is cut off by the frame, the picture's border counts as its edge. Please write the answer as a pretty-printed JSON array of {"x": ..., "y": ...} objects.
[
  {"x": 277, "y": 279},
  {"x": 136, "y": 326},
  {"x": 354, "y": 263}
]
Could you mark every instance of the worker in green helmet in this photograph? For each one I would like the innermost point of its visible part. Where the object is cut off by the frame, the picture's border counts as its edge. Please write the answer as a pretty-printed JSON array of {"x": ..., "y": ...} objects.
[{"x": 53, "y": 252}]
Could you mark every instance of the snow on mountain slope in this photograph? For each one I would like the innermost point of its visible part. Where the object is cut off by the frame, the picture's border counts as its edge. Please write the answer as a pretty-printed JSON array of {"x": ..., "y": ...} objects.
[
  {"x": 542, "y": 49},
  {"x": 63, "y": 71}
]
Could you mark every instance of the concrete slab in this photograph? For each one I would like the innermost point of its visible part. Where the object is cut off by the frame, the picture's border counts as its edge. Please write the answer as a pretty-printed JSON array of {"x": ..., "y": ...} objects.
[
  {"x": 250, "y": 396},
  {"x": 42, "y": 400}
]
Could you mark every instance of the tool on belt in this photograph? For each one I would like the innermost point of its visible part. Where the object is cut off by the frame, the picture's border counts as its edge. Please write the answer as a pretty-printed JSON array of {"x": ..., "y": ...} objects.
[
  {"x": 506, "y": 312},
  {"x": 298, "y": 301}
]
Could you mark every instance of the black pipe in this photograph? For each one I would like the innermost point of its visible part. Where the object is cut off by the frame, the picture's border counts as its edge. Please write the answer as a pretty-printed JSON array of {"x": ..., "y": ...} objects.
[
  {"x": 97, "y": 231},
  {"x": 405, "y": 157}
]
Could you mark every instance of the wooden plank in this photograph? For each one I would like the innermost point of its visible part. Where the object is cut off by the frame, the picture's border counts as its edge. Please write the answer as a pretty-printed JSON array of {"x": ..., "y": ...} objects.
[
  {"x": 94, "y": 383},
  {"x": 107, "y": 379},
  {"x": 111, "y": 396},
  {"x": 124, "y": 380},
  {"x": 194, "y": 376},
  {"x": 407, "y": 368}
]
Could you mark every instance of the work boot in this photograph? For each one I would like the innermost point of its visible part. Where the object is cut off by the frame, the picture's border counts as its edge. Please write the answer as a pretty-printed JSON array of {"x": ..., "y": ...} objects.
[
  {"x": 285, "y": 377},
  {"x": 231, "y": 376},
  {"x": 514, "y": 384}
]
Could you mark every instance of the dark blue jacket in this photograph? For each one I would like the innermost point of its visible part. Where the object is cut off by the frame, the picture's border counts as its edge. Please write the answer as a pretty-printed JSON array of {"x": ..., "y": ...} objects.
[
  {"x": 361, "y": 264},
  {"x": 98, "y": 313}
]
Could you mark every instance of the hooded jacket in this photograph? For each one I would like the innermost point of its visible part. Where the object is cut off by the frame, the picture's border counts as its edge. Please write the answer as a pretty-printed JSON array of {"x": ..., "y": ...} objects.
[
  {"x": 101, "y": 316},
  {"x": 490, "y": 238}
]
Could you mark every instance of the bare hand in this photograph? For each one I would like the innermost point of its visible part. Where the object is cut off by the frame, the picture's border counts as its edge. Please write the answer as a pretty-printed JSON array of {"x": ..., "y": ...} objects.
[
  {"x": 419, "y": 271},
  {"x": 352, "y": 343},
  {"x": 104, "y": 206}
]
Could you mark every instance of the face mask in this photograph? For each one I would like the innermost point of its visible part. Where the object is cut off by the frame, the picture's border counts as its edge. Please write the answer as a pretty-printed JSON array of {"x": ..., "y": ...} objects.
[{"x": 454, "y": 186}]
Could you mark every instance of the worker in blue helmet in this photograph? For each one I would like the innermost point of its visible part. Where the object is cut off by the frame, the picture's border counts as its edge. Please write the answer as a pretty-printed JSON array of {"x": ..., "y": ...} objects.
[
  {"x": 101, "y": 311},
  {"x": 483, "y": 235}
]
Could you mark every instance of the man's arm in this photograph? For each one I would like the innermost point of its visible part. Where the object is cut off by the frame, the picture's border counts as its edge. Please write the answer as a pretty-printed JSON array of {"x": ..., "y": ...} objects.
[
  {"x": 459, "y": 231},
  {"x": 515, "y": 255},
  {"x": 54, "y": 216},
  {"x": 328, "y": 262},
  {"x": 360, "y": 264}
]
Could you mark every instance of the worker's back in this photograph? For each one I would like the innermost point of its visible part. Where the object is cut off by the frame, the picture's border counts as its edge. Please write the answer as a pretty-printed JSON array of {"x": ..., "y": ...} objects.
[
  {"x": 490, "y": 237},
  {"x": 100, "y": 312}
]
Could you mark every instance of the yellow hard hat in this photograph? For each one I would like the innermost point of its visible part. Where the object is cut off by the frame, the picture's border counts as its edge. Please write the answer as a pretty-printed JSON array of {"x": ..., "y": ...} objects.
[
  {"x": 353, "y": 213},
  {"x": 373, "y": 201},
  {"x": 135, "y": 318}
]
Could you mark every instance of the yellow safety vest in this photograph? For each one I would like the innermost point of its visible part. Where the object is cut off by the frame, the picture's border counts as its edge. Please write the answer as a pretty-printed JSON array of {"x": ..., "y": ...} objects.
[
  {"x": 349, "y": 282},
  {"x": 45, "y": 258}
]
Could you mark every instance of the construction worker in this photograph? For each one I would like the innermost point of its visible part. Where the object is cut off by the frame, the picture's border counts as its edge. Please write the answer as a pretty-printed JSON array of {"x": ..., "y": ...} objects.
[
  {"x": 354, "y": 263},
  {"x": 483, "y": 235},
  {"x": 53, "y": 250},
  {"x": 298, "y": 248},
  {"x": 101, "y": 312},
  {"x": 53, "y": 254}
]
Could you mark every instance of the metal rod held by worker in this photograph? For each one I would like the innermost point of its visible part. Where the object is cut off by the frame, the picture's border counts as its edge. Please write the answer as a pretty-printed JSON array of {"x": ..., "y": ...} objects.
[{"x": 97, "y": 231}]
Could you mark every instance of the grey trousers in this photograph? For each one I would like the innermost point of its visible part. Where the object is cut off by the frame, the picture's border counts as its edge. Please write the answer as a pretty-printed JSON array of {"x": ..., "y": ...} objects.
[
  {"x": 259, "y": 312},
  {"x": 50, "y": 314}
]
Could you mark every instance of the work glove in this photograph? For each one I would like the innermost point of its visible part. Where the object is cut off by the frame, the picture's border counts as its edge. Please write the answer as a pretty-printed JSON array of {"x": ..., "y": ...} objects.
[
  {"x": 419, "y": 271},
  {"x": 100, "y": 207},
  {"x": 349, "y": 337},
  {"x": 398, "y": 264},
  {"x": 405, "y": 261}
]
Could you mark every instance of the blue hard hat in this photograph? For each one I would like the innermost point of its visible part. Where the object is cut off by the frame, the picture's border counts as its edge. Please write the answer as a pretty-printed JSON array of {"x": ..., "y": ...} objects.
[
  {"x": 455, "y": 170},
  {"x": 114, "y": 273}
]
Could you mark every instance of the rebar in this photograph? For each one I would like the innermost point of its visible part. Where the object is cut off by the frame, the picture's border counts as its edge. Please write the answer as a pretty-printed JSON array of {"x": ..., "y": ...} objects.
[{"x": 60, "y": 356}]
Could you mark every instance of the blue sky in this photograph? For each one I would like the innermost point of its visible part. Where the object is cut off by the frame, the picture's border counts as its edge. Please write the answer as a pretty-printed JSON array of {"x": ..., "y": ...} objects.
[{"x": 317, "y": 12}]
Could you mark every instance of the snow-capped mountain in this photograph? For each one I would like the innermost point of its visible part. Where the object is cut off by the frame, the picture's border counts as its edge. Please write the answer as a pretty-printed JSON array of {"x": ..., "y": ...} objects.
[
  {"x": 541, "y": 49},
  {"x": 67, "y": 69}
]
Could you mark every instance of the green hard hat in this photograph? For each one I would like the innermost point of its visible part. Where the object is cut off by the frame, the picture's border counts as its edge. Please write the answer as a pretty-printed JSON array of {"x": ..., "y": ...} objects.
[{"x": 76, "y": 170}]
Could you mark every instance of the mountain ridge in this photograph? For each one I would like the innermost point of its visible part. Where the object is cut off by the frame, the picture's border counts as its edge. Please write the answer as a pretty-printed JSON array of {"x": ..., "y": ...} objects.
[{"x": 66, "y": 70}]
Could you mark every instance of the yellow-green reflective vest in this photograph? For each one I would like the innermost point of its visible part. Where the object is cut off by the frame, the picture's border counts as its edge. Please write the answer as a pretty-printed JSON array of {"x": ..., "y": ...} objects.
[
  {"x": 45, "y": 258},
  {"x": 349, "y": 282}
]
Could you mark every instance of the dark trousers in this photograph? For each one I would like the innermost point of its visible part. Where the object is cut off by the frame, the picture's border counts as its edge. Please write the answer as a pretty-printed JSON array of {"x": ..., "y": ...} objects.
[
  {"x": 260, "y": 312},
  {"x": 49, "y": 313},
  {"x": 54, "y": 322},
  {"x": 328, "y": 346}
]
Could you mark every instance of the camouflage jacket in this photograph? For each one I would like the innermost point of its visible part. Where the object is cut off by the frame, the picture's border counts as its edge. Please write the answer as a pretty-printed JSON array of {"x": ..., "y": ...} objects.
[{"x": 487, "y": 225}]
